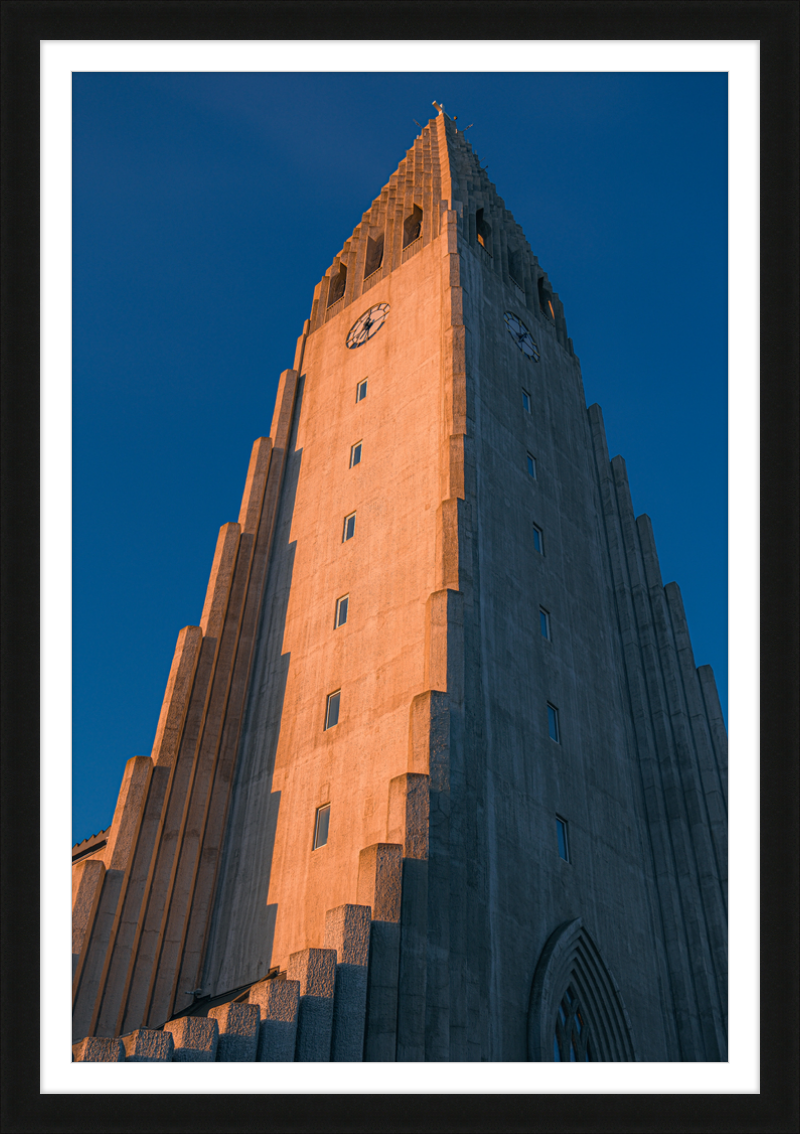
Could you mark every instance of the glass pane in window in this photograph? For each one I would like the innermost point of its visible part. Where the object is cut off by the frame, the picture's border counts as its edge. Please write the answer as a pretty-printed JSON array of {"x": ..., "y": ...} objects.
[
  {"x": 341, "y": 610},
  {"x": 544, "y": 623},
  {"x": 531, "y": 465},
  {"x": 332, "y": 714},
  {"x": 562, "y": 839},
  {"x": 552, "y": 722},
  {"x": 355, "y": 455},
  {"x": 537, "y": 538},
  {"x": 526, "y": 400},
  {"x": 349, "y": 527},
  {"x": 321, "y": 826},
  {"x": 361, "y": 391}
]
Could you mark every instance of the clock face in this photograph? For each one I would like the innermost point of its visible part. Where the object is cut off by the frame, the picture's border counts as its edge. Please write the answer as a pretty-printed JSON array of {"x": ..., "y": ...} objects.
[
  {"x": 522, "y": 336},
  {"x": 367, "y": 326}
]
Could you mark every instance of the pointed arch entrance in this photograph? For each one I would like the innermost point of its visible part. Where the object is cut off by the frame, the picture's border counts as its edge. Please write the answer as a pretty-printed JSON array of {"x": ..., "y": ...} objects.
[{"x": 576, "y": 1011}]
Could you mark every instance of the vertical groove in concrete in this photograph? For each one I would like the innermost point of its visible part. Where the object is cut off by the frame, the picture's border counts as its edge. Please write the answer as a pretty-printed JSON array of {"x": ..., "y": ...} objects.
[
  {"x": 716, "y": 725},
  {"x": 219, "y": 583},
  {"x": 87, "y": 884},
  {"x": 177, "y": 696},
  {"x": 702, "y": 1008},
  {"x": 380, "y": 886},
  {"x": 629, "y": 680},
  {"x": 713, "y": 788},
  {"x": 157, "y": 1003},
  {"x": 195, "y": 931},
  {"x": 412, "y": 974},
  {"x": 683, "y": 887},
  {"x": 133, "y": 887},
  {"x": 671, "y": 933},
  {"x": 347, "y": 932},
  {"x": 94, "y": 961},
  {"x": 150, "y": 925},
  {"x": 167, "y": 810},
  {"x": 702, "y": 858}
]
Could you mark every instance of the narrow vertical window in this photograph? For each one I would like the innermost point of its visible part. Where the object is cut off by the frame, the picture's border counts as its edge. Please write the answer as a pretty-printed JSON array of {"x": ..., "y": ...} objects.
[
  {"x": 552, "y": 723},
  {"x": 361, "y": 391},
  {"x": 349, "y": 527},
  {"x": 355, "y": 454},
  {"x": 532, "y": 465},
  {"x": 321, "y": 824},
  {"x": 544, "y": 622},
  {"x": 526, "y": 401},
  {"x": 341, "y": 611},
  {"x": 332, "y": 709},
  {"x": 538, "y": 539},
  {"x": 561, "y": 835}
]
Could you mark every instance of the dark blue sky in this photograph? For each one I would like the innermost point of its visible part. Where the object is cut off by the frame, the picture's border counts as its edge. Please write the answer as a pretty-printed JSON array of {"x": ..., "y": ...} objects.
[{"x": 206, "y": 207}]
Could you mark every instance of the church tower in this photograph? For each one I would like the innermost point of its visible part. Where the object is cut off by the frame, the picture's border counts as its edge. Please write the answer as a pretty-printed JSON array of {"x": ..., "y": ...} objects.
[{"x": 435, "y": 777}]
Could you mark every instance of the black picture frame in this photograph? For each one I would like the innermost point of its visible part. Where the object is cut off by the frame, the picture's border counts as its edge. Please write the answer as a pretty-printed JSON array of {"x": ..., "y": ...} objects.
[{"x": 775, "y": 24}]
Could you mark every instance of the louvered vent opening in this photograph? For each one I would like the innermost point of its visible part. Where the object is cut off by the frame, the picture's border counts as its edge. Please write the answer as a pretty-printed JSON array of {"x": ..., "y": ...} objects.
[
  {"x": 515, "y": 267},
  {"x": 545, "y": 302},
  {"x": 484, "y": 231},
  {"x": 337, "y": 285},
  {"x": 374, "y": 255},
  {"x": 412, "y": 226}
]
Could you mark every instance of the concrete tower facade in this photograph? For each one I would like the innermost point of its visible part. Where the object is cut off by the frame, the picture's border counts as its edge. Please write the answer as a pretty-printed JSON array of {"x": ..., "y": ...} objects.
[{"x": 435, "y": 777}]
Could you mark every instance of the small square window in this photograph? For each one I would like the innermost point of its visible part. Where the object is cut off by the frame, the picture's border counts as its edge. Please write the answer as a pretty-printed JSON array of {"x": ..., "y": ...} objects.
[
  {"x": 355, "y": 454},
  {"x": 361, "y": 391},
  {"x": 538, "y": 539},
  {"x": 561, "y": 835},
  {"x": 321, "y": 824},
  {"x": 544, "y": 622},
  {"x": 341, "y": 611},
  {"x": 552, "y": 723},
  {"x": 349, "y": 527},
  {"x": 526, "y": 401},
  {"x": 532, "y": 465},
  {"x": 332, "y": 709}
]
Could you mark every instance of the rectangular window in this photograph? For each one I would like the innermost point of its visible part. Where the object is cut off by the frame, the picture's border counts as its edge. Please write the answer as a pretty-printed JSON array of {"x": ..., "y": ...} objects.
[
  {"x": 341, "y": 611},
  {"x": 526, "y": 401},
  {"x": 332, "y": 709},
  {"x": 361, "y": 391},
  {"x": 349, "y": 527},
  {"x": 532, "y": 465},
  {"x": 321, "y": 826},
  {"x": 552, "y": 723},
  {"x": 561, "y": 834},
  {"x": 544, "y": 622},
  {"x": 538, "y": 539},
  {"x": 355, "y": 454}
]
